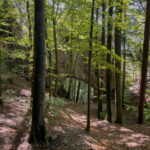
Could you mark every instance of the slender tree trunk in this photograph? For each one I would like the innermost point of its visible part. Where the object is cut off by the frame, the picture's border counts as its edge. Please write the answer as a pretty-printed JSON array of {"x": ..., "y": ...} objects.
[
  {"x": 108, "y": 71},
  {"x": 1, "y": 100},
  {"x": 74, "y": 90},
  {"x": 144, "y": 64},
  {"x": 50, "y": 76},
  {"x": 118, "y": 98},
  {"x": 124, "y": 69},
  {"x": 50, "y": 61},
  {"x": 97, "y": 72},
  {"x": 29, "y": 21},
  {"x": 103, "y": 43},
  {"x": 124, "y": 56},
  {"x": 38, "y": 130},
  {"x": 78, "y": 92},
  {"x": 56, "y": 50},
  {"x": 103, "y": 21},
  {"x": 89, "y": 66},
  {"x": 70, "y": 89},
  {"x": 30, "y": 40}
]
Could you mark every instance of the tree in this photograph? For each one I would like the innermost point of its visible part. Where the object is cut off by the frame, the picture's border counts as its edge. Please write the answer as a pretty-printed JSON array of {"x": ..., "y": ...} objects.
[
  {"x": 99, "y": 110},
  {"x": 89, "y": 65},
  {"x": 38, "y": 130},
  {"x": 78, "y": 91},
  {"x": 56, "y": 48},
  {"x": 124, "y": 57},
  {"x": 144, "y": 64},
  {"x": 108, "y": 71},
  {"x": 29, "y": 21},
  {"x": 118, "y": 98}
]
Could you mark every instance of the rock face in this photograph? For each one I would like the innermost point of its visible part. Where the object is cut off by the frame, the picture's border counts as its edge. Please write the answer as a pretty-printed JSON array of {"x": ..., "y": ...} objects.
[{"x": 80, "y": 68}]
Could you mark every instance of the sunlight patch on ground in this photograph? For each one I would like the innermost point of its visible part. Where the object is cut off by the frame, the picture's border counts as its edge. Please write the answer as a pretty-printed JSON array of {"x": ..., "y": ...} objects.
[
  {"x": 6, "y": 130},
  {"x": 138, "y": 135},
  {"x": 7, "y": 122},
  {"x": 24, "y": 144},
  {"x": 105, "y": 142},
  {"x": 25, "y": 92},
  {"x": 132, "y": 144},
  {"x": 78, "y": 118},
  {"x": 59, "y": 129},
  {"x": 123, "y": 129},
  {"x": 92, "y": 143},
  {"x": 99, "y": 123}
]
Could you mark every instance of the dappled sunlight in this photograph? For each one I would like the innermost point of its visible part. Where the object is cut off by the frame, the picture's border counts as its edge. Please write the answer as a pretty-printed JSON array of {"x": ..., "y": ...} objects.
[
  {"x": 11, "y": 117},
  {"x": 93, "y": 143},
  {"x": 79, "y": 118},
  {"x": 24, "y": 145},
  {"x": 7, "y": 122},
  {"x": 132, "y": 144},
  {"x": 25, "y": 92},
  {"x": 99, "y": 123},
  {"x": 6, "y": 130},
  {"x": 123, "y": 129},
  {"x": 59, "y": 129}
]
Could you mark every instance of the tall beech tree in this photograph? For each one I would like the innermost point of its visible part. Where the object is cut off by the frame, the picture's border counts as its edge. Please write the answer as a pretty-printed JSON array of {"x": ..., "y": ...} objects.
[
  {"x": 118, "y": 97},
  {"x": 108, "y": 71},
  {"x": 144, "y": 64},
  {"x": 89, "y": 65},
  {"x": 38, "y": 130}
]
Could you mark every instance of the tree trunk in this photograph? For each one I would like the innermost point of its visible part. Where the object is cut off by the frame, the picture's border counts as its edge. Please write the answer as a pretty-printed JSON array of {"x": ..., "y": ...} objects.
[
  {"x": 124, "y": 56},
  {"x": 30, "y": 40},
  {"x": 56, "y": 50},
  {"x": 108, "y": 71},
  {"x": 103, "y": 21},
  {"x": 1, "y": 100},
  {"x": 99, "y": 111},
  {"x": 50, "y": 61},
  {"x": 118, "y": 98},
  {"x": 124, "y": 68},
  {"x": 38, "y": 130},
  {"x": 74, "y": 90},
  {"x": 103, "y": 43},
  {"x": 144, "y": 64},
  {"x": 70, "y": 89},
  {"x": 78, "y": 92},
  {"x": 89, "y": 66},
  {"x": 29, "y": 21}
]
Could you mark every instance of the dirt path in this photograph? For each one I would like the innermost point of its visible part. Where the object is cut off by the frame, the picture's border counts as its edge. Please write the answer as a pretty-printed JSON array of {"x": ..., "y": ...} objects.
[
  {"x": 69, "y": 129},
  {"x": 14, "y": 116}
]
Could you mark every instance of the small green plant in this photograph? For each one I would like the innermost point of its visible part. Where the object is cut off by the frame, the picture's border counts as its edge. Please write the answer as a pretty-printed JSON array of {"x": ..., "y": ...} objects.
[{"x": 54, "y": 106}]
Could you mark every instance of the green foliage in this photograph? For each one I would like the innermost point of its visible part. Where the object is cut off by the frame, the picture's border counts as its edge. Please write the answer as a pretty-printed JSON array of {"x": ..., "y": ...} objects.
[{"x": 54, "y": 106}]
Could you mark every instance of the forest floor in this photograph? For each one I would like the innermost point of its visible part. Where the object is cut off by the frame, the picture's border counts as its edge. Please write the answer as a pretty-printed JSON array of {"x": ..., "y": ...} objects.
[{"x": 67, "y": 127}]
